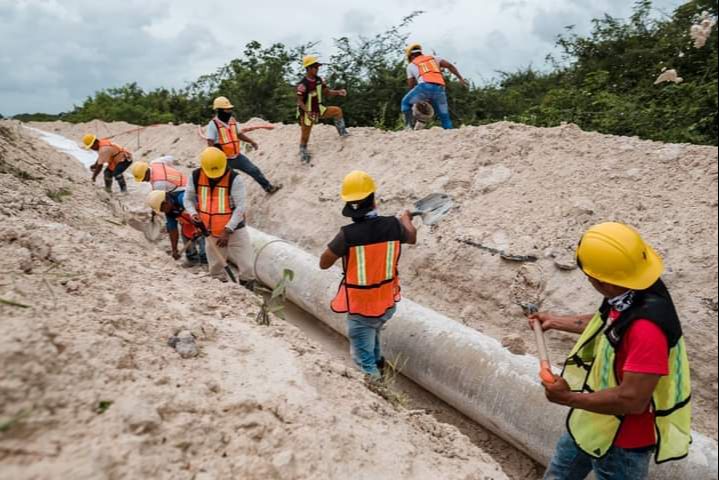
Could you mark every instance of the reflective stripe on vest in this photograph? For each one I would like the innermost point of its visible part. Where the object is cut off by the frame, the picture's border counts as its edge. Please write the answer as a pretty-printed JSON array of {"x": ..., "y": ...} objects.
[
  {"x": 117, "y": 150},
  {"x": 370, "y": 285},
  {"x": 429, "y": 70},
  {"x": 214, "y": 204},
  {"x": 159, "y": 172},
  {"x": 591, "y": 367},
  {"x": 227, "y": 137}
]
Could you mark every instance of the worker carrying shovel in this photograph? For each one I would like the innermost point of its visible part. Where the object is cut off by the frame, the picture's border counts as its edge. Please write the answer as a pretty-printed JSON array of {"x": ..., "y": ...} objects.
[
  {"x": 115, "y": 158},
  {"x": 370, "y": 249},
  {"x": 627, "y": 379},
  {"x": 171, "y": 204},
  {"x": 215, "y": 200},
  {"x": 311, "y": 92}
]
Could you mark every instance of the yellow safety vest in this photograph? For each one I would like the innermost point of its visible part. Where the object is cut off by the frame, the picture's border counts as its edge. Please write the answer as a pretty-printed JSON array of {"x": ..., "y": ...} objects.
[{"x": 591, "y": 367}]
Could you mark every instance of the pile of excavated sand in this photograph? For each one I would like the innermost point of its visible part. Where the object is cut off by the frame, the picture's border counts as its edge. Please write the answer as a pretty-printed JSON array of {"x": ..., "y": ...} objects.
[
  {"x": 524, "y": 190},
  {"x": 90, "y": 388}
]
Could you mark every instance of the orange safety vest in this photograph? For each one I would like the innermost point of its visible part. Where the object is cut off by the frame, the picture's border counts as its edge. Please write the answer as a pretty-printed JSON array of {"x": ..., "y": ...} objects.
[
  {"x": 227, "y": 137},
  {"x": 214, "y": 203},
  {"x": 188, "y": 228},
  {"x": 370, "y": 285},
  {"x": 160, "y": 172},
  {"x": 117, "y": 150},
  {"x": 429, "y": 70}
]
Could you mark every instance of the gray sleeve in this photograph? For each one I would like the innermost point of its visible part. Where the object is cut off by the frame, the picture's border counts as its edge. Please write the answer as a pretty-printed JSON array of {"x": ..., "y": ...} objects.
[
  {"x": 190, "y": 201},
  {"x": 237, "y": 194}
]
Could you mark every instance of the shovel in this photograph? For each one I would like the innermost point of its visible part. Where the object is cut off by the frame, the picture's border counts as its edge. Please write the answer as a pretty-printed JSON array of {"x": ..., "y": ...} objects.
[
  {"x": 545, "y": 367},
  {"x": 210, "y": 243},
  {"x": 433, "y": 207}
]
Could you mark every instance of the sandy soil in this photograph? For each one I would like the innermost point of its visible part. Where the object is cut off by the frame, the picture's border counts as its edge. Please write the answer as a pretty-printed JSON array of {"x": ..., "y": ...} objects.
[
  {"x": 91, "y": 390},
  {"x": 524, "y": 190}
]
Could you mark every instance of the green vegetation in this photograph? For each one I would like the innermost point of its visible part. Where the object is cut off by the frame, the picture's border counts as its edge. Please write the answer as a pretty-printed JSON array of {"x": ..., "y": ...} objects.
[
  {"x": 102, "y": 406},
  {"x": 274, "y": 300},
  {"x": 603, "y": 82}
]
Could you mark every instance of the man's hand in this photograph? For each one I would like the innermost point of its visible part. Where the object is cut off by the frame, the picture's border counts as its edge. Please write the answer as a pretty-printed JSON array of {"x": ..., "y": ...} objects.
[
  {"x": 545, "y": 319},
  {"x": 314, "y": 117},
  {"x": 255, "y": 145},
  {"x": 558, "y": 392},
  {"x": 464, "y": 83},
  {"x": 196, "y": 219},
  {"x": 406, "y": 216},
  {"x": 224, "y": 238},
  {"x": 342, "y": 93},
  {"x": 175, "y": 254}
]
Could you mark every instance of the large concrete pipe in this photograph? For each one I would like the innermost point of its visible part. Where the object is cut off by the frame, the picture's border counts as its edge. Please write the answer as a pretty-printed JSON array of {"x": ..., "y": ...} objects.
[{"x": 468, "y": 370}]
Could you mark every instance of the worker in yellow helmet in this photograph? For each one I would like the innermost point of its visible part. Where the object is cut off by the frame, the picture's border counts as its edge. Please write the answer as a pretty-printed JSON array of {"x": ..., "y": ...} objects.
[
  {"x": 115, "y": 158},
  {"x": 311, "y": 92},
  {"x": 179, "y": 224},
  {"x": 223, "y": 133},
  {"x": 160, "y": 174},
  {"x": 215, "y": 199},
  {"x": 426, "y": 83},
  {"x": 627, "y": 380},
  {"x": 370, "y": 250}
]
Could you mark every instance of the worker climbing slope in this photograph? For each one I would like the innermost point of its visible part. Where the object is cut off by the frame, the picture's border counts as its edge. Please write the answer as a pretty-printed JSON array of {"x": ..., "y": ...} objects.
[
  {"x": 627, "y": 379},
  {"x": 311, "y": 92},
  {"x": 171, "y": 204},
  {"x": 160, "y": 174},
  {"x": 370, "y": 249},
  {"x": 427, "y": 84},
  {"x": 215, "y": 200},
  {"x": 224, "y": 134},
  {"x": 115, "y": 158}
]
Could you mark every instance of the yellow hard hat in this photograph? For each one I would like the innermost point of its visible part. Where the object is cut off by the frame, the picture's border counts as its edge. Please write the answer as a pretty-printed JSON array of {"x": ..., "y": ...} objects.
[
  {"x": 357, "y": 186},
  {"x": 213, "y": 162},
  {"x": 155, "y": 199},
  {"x": 88, "y": 140},
  {"x": 221, "y": 103},
  {"x": 309, "y": 60},
  {"x": 412, "y": 48},
  {"x": 139, "y": 169},
  {"x": 614, "y": 253}
]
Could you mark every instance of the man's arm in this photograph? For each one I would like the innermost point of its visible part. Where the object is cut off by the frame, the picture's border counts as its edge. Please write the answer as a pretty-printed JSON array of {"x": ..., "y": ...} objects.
[
  {"x": 246, "y": 139},
  {"x": 453, "y": 69},
  {"x": 409, "y": 228},
  {"x": 563, "y": 323},
  {"x": 328, "y": 259},
  {"x": 631, "y": 397},
  {"x": 411, "y": 83},
  {"x": 190, "y": 200},
  {"x": 238, "y": 199},
  {"x": 334, "y": 93}
]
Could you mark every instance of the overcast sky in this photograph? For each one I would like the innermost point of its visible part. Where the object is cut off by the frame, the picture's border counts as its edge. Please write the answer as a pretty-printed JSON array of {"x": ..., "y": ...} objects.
[{"x": 55, "y": 53}]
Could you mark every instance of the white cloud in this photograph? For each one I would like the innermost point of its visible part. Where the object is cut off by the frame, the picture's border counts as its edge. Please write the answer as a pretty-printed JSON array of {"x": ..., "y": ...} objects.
[{"x": 56, "y": 53}]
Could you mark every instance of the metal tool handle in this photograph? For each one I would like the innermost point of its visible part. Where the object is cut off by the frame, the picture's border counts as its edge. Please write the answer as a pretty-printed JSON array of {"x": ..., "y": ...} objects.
[{"x": 545, "y": 366}]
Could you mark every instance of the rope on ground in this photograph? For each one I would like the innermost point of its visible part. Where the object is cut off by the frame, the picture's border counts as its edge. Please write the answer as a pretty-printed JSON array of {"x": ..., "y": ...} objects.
[{"x": 259, "y": 252}]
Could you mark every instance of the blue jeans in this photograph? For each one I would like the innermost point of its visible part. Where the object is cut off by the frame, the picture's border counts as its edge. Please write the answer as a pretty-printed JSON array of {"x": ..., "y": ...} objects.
[
  {"x": 364, "y": 336},
  {"x": 196, "y": 251},
  {"x": 117, "y": 175},
  {"x": 429, "y": 92},
  {"x": 570, "y": 463},
  {"x": 243, "y": 164}
]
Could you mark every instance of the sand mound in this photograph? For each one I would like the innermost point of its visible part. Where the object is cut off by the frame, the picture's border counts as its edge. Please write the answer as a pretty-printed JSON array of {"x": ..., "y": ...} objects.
[
  {"x": 523, "y": 190},
  {"x": 90, "y": 388}
]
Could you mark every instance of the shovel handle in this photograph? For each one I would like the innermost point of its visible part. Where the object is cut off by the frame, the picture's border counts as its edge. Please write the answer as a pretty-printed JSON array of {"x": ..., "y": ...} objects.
[{"x": 545, "y": 367}]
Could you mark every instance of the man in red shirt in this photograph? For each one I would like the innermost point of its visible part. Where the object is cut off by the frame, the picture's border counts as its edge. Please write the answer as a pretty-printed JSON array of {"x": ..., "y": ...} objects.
[{"x": 619, "y": 371}]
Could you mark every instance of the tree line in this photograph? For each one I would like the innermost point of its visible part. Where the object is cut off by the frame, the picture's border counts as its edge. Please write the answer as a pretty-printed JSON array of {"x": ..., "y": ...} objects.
[{"x": 602, "y": 81}]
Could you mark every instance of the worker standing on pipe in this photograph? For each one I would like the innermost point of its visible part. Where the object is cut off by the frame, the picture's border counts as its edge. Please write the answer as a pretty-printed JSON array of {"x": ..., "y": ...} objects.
[
  {"x": 116, "y": 159},
  {"x": 370, "y": 249},
  {"x": 627, "y": 379},
  {"x": 311, "y": 92},
  {"x": 160, "y": 174},
  {"x": 224, "y": 134},
  {"x": 172, "y": 205},
  {"x": 215, "y": 199}
]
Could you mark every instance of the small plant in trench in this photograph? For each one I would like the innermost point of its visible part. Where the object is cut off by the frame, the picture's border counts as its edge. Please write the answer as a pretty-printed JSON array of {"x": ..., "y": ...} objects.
[
  {"x": 274, "y": 300},
  {"x": 58, "y": 195},
  {"x": 385, "y": 387},
  {"x": 102, "y": 406},
  {"x": 6, "y": 425}
]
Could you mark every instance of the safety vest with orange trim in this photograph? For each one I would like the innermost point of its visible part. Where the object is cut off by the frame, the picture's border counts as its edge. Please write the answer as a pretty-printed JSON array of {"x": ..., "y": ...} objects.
[
  {"x": 370, "y": 285},
  {"x": 214, "y": 203},
  {"x": 115, "y": 156},
  {"x": 188, "y": 228},
  {"x": 429, "y": 70},
  {"x": 159, "y": 172},
  {"x": 227, "y": 137}
]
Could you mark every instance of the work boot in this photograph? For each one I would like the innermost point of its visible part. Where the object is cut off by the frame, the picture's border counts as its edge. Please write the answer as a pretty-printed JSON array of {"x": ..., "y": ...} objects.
[
  {"x": 108, "y": 184},
  {"x": 382, "y": 366},
  {"x": 341, "y": 127},
  {"x": 121, "y": 183},
  {"x": 273, "y": 189},
  {"x": 304, "y": 154},
  {"x": 248, "y": 284},
  {"x": 408, "y": 120}
]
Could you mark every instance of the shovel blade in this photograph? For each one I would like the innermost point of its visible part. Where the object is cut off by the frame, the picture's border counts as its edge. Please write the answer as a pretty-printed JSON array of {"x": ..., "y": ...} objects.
[{"x": 433, "y": 207}]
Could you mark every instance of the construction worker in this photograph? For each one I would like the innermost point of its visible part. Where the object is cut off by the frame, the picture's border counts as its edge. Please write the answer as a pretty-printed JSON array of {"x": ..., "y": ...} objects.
[
  {"x": 224, "y": 134},
  {"x": 311, "y": 92},
  {"x": 215, "y": 199},
  {"x": 370, "y": 248},
  {"x": 116, "y": 159},
  {"x": 627, "y": 379},
  {"x": 426, "y": 84},
  {"x": 160, "y": 174},
  {"x": 172, "y": 205}
]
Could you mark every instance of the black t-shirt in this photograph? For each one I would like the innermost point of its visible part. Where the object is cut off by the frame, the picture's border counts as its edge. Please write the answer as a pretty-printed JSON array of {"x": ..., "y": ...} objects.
[{"x": 338, "y": 245}]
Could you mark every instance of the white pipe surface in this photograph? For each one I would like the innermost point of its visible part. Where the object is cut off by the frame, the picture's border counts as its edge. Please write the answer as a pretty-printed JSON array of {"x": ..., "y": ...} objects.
[{"x": 468, "y": 370}]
